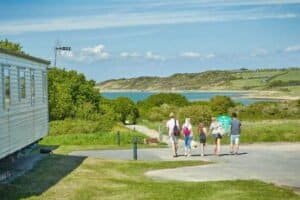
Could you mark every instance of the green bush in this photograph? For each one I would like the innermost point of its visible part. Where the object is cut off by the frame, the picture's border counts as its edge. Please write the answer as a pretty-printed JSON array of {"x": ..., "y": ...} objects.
[
  {"x": 72, "y": 126},
  {"x": 268, "y": 110},
  {"x": 156, "y": 100},
  {"x": 126, "y": 110},
  {"x": 71, "y": 95},
  {"x": 221, "y": 104},
  {"x": 196, "y": 113}
]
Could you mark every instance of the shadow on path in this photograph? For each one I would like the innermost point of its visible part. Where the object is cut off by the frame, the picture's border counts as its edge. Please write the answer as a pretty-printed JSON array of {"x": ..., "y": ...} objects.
[{"x": 46, "y": 173}]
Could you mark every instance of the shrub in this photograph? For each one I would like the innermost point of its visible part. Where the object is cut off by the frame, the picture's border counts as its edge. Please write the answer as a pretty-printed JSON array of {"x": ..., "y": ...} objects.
[
  {"x": 160, "y": 113},
  {"x": 196, "y": 113},
  {"x": 71, "y": 126},
  {"x": 69, "y": 93},
  {"x": 126, "y": 110},
  {"x": 221, "y": 104},
  {"x": 156, "y": 100},
  {"x": 268, "y": 110}
]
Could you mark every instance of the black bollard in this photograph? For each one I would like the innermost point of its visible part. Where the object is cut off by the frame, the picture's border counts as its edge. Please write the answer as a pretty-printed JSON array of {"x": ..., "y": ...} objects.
[
  {"x": 118, "y": 138},
  {"x": 134, "y": 148}
]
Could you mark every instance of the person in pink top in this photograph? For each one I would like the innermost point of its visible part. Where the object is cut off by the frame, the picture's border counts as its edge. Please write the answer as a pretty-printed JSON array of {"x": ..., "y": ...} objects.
[{"x": 187, "y": 132}]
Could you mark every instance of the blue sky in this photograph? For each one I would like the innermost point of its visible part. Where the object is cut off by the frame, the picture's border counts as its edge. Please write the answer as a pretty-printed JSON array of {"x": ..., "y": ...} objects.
[{"x": 127, "y": 38}]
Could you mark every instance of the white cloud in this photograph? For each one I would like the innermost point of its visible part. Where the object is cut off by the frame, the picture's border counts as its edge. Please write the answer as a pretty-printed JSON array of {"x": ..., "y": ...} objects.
[
  {"x": 210, "y": 56},
  {"x": 152, "y": 56},
  {"x": 178, "y": 15},
  {"x": 259, "y": 52},
  {"x": 87, "y": 54},
  {"x": 295, "y": 48},
  {"x": 129, "y": 55},
  {"x": 191, "y": 54},
  {"x": 96, "y": 51}
]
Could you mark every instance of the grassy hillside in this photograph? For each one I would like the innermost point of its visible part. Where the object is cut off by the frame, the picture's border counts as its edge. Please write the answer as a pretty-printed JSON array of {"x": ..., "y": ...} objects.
[{"x": 270, "y": 79}]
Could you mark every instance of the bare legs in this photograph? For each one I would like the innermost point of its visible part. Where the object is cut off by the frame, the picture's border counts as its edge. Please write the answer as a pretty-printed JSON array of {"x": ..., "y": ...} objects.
[
  {"x": 218, "y": 146},
  {"x": 202, "y": 148},
  {"x": 231, "y": 147},
  {"x": 187, "y": 145},
  {"x": 217, "y": 149},
  {"x": 174, "y": 148},
  {"x": 234, "y": 145}
]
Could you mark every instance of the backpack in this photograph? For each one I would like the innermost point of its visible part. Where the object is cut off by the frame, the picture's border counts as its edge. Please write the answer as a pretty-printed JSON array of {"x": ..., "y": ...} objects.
[
  {"x": 186, "y": 131},
  {"x": 176, "y": 130}
]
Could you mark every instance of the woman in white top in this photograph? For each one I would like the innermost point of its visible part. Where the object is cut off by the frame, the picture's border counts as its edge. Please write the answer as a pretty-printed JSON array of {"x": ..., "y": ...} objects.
[
  {"x": 188, "y": 136},
  {"x": 216, "y": 131}
]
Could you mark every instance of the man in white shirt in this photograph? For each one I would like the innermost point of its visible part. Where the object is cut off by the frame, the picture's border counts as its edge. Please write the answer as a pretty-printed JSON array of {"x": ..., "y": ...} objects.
[{"x": 173, "y": 124}]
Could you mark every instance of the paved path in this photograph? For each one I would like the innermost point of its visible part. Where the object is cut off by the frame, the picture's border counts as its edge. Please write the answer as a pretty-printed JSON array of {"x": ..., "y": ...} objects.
[
  {"x": 154, "y": 134},
  {"x": 149, "y": 132},
  {"x": 276, "y": 163}
]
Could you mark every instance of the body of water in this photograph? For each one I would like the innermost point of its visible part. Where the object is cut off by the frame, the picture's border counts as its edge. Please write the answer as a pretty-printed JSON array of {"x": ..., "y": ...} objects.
[{"x": 191, "y": 96}]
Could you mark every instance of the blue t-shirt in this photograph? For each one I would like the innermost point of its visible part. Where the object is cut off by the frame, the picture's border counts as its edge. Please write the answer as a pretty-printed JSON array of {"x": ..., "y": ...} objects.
[{"x": 235, "y": 127}]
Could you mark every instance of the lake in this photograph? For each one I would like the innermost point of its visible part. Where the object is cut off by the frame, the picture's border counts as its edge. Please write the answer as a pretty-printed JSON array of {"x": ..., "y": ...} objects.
[{"x": 191, "y": 96}]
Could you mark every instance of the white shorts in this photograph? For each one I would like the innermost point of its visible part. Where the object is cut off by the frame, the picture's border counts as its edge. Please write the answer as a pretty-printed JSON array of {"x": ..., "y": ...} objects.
[
  {"x": 234, "y": 139},
  {"x": 173, "y": 139}
]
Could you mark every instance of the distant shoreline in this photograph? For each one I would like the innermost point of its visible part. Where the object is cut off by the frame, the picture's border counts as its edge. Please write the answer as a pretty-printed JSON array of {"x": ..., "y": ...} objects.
[
  {"x": 177, "y": 91},
  {"x": 250, "y": 94}
]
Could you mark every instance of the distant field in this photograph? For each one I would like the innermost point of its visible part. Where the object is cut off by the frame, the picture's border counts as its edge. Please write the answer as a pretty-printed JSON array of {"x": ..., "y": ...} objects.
[
  {"x": 290, "y": 76},
  {"x": 257, "y": 74},
  {"x": 243, "y": 83},
  {"x": 209, "y": 80}
]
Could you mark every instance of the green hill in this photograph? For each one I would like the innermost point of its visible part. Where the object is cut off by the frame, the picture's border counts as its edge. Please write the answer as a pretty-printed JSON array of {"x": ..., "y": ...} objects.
[{"x": 263, "y": 79}]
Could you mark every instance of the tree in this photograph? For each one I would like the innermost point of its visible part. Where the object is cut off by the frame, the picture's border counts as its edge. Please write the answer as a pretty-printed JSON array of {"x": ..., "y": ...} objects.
[
  {"x": 11, "y": 46},
  {"x": 197, "y": 113},
  {"x": 126, "y": 110},
  {"x": 221, "y": 104},
  {"x": 71, "y": 95}
]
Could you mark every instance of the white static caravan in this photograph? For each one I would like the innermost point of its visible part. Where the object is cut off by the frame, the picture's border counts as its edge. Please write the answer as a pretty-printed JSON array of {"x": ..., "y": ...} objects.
[{"x": 23, "y": 101}]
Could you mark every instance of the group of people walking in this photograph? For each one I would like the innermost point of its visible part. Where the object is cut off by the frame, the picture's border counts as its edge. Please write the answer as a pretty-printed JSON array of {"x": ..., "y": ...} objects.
[{"x": 215, "y": 129}]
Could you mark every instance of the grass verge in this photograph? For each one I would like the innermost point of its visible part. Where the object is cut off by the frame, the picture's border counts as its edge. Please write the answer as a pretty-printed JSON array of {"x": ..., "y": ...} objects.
[
  {"x": 69, "y": 177},
  {"x": 255, "y": 131}
]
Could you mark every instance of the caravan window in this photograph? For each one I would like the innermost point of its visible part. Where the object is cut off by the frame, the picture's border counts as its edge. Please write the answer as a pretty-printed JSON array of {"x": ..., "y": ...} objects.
[
  {"x": 22, "y": 83},
  {"x": 44, "y": 79},
  {"x": 6, "y": 86},
  {"x": 32, "y": 86}
]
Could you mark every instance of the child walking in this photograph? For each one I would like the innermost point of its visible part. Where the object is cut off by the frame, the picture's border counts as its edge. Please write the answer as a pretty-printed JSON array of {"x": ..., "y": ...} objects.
[{"x": 202, "y": 135}]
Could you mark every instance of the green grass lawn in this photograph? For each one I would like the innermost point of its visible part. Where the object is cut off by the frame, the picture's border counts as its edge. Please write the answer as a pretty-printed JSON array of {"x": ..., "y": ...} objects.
[
  {"x": 61, "y": 176},
  {"x": 92, "y": 139},
  {"x": 67, "y": 177}
]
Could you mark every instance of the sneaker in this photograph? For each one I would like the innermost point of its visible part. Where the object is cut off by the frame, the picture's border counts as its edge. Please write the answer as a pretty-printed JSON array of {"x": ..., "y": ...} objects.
[{"x": 202, "y": 154}]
